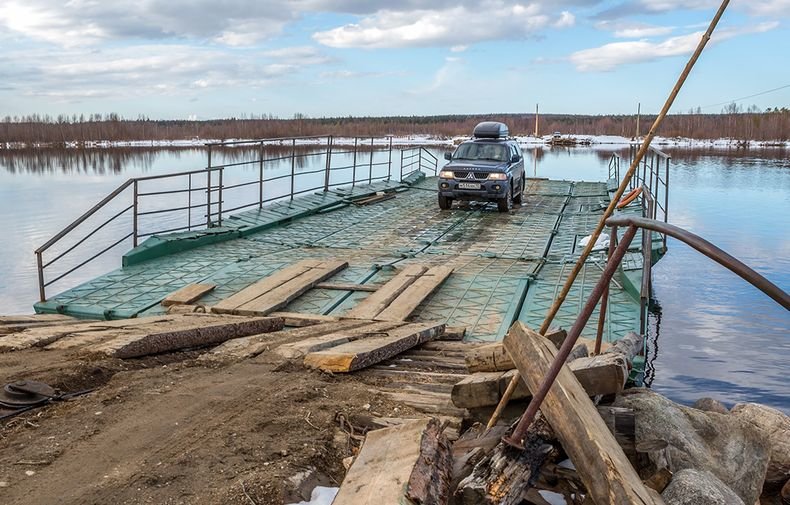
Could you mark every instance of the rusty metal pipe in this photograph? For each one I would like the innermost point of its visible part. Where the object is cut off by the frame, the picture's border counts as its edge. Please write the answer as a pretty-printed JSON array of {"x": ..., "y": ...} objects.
[
  {"x": 711, "y": 251},
  {"x": 517, "y": 438},
  {"x": 605, "y": 296}
]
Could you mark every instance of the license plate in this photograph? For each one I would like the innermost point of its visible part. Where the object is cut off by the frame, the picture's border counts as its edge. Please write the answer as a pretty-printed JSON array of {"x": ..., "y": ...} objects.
[{"x": 468, "y": 185}]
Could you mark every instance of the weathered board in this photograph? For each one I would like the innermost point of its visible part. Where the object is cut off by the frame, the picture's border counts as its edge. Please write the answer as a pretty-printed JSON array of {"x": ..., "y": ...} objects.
[
  {"x": 371, "y": 306},
  {"x": 363, "y": 353},
  {"x": 354, "y": 329},
  {"x": 402, "y": 306},
  {"x": 601, "y": 463},
  {"x": 187, "y": 294}
]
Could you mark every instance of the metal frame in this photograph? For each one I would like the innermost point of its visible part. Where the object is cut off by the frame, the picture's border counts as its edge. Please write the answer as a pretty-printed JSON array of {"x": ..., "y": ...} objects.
[{"x": 221, "y": 199}]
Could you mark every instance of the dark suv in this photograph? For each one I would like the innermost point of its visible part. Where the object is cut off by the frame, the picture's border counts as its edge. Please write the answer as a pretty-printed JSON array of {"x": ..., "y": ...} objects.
[{"x": 489, "y": 167}]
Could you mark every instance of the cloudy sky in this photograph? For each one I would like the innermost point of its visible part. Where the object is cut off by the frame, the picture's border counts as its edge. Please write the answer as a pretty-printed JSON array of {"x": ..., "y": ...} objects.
[{"x": 223, "y": 58}]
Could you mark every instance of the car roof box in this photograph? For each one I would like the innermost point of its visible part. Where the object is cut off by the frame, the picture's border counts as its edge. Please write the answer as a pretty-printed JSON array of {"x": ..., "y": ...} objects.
[{"x": 491, "y": 130}]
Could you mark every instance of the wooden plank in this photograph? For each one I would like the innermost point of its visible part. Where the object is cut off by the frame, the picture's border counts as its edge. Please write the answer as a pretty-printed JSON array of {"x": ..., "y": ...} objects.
[
  {"x": 355, "y": 329},
  {"x": 402, "y": 306},
  {"x": 298, "y": 319},
  {"x": 284, "y": 294},
  {"x": 268, "y": 283},
  {"x": 187, "y": 294},
  {"x": 248, "y": 347},
  {"x": 135, "y": 345},
  {"x": 601, "y": 463},
  {"x": 397, "y": 465},
  {"x": 454, "y": 333},
  {"x": 494, "y": 358},
  {"x": 599, "y": 375},
  {"x": 370, "y": 307},
  {"x": 363, "y": 353},
  {"x": 339, "y": 286}
]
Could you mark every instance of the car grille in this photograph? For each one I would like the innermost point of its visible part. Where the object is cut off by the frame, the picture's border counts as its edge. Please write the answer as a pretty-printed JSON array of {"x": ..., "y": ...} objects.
[{"x": 478, "y": 176}]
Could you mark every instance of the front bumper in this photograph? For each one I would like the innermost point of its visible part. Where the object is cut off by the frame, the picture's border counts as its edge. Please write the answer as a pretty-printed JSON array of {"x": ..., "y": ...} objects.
[{"x": 489, "y": 190}]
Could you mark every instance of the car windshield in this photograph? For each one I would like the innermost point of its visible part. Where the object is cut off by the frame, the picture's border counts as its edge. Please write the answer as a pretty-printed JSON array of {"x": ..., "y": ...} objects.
[{"x": 480, "y": 151}]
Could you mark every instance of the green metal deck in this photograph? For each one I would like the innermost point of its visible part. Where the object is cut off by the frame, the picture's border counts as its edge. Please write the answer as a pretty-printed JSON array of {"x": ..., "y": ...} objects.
[{"x": 506, "y": 266}]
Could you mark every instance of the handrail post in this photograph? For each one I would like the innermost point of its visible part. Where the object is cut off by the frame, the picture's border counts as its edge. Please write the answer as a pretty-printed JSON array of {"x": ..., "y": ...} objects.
[
  {"x": 189, "y": 204},
  {"x": 666, "y": 199},
  {"x": 219, "y": 197},
  {"x": 134, "y": 215},
  {"x": 260, "y": 178},
  {"x": 354, "y": 164},
  {"x": 42, "y": 295},
  {"x": 208, "y": 189},
  {"x": 293, "y": 166},
  {"x": 389, "y": 162},
  {"x": 401, "y": 165},
  {"x": 370, "y": 167},
  {"x": 328, "y": 162}
]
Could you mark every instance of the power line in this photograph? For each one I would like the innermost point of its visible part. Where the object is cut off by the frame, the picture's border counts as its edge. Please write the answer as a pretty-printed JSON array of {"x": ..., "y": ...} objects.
[{"x": 745, "y": 97}]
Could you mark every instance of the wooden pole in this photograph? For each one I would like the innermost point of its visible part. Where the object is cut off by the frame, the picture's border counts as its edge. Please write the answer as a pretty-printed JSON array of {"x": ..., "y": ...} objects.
[
  {"x": 638, "y": 115},
  {"x": 536, "y": 120},
  {"x": 618, "y": 194}
]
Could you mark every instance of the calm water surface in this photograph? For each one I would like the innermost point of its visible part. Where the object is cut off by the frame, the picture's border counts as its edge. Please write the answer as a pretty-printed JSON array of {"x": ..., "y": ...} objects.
[{"x": 715, "y": 335}]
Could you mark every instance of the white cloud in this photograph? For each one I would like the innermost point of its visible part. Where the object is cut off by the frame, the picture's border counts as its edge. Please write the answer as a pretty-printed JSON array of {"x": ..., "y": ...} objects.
[
  {"x": 566, "y": 20},
  {"x": 633, "y": 30},
  {"x": 443, "y": 75},
  {"x": 610, "y": 56},
  {"x": 453, "y": 26}
]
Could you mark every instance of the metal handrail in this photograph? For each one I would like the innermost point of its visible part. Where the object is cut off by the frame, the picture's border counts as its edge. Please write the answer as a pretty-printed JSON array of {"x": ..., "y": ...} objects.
[
  {"x": 616, "y": 257},
  {"x": 214, "y": 189}
]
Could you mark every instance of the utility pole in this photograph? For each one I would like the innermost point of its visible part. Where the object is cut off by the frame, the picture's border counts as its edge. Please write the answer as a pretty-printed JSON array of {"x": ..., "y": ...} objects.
[
  {"x": 536, "y": 120},
  {"x": 638, "y": 113}
]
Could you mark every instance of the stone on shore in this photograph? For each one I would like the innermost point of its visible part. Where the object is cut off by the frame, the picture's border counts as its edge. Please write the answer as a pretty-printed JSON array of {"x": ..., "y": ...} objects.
[
  {"x": 694, "y": 487},
  {"x": 775, "y": 425},
  {"x": 710, "y": 405},
  {"x": 733, "y": 450}
]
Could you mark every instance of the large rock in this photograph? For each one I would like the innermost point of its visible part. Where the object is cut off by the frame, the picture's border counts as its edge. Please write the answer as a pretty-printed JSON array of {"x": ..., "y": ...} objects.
[
  {"x": 710, "y": 405},
  {"x": 775, "y": 425},
  {"x": 730, "y": 448},
  {"x": 694, "y": 487}
]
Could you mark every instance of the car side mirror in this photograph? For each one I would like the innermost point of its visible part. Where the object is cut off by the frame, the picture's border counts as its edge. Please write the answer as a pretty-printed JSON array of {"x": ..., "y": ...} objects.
[
  {"x": 448, "y": 156},
  {"x": 515, "y": 158}
]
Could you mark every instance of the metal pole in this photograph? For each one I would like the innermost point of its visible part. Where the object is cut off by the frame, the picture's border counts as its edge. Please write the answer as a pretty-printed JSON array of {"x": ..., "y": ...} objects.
[
  {"x": 208, "y": 190},
  {"x": 189, "y": 204},
  {"x": 517, "y": 438},
  {"x": 134, "y": 215},
  {"x": 605, "y": 296},
  {"x": 328, "y": 162},
  {"x": 219, "y": 198},
  {"x": 401, "y": 165},
  {"x": 389, "y": 162},
  {"x": 260, "y": 178},
  {"x": 666, "y": 199},
  {"x": 293, "y": 166},
  {"x": 370, "y": 167},
  {"x": 354, "y": 164},
  {"x": 42, "y": 295}
]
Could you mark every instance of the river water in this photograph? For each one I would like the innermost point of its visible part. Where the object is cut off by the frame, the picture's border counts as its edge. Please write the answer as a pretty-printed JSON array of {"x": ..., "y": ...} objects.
[{"x": 715, "y": 335}]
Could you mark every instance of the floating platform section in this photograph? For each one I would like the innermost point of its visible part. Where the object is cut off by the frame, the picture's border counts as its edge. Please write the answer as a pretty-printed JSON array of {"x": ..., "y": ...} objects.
[{"x": 499, "y": 267}]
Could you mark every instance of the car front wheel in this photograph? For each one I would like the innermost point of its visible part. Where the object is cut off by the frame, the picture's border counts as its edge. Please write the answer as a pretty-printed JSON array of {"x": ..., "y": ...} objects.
[
  {"x": 503, "y": 204},
  {"x": 445, "y": 202},
  {"x": 519, "y": 198}
]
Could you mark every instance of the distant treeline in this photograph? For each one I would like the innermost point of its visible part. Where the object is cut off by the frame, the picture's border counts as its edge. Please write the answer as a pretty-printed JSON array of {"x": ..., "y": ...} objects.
[{"x": 773, "y": 124}]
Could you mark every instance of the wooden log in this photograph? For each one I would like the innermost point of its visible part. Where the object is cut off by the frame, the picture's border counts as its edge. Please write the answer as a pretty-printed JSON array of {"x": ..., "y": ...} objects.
[
  {"x": 363, "y": 353},
  {"x": 348, "y": 287},
  {"x": 504, "y": 474},
  {"x": 411, "y": 461},
  {"x": 601, "y": 463},
  {"x": 187, "y": 294},
  {"x": 263, "y": 286},
  {"x": 132, "y": 346},
  {"x": 411, "y": 297},
  {"x": 298, "y": 319},
  {"x": 494, "y": 358},
  {"x": 284, "y": 294},
  {"x": 247, "y": 347},
  {"x": 485, "y": 389},
  {"x": 629, "y": 346},
  {"x": 370, "y": 307},
  {"x": 353, "y": 329},
  {"x": 453, "y": 333}
]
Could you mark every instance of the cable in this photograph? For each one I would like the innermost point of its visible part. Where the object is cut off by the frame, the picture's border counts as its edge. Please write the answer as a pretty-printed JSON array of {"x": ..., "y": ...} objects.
[{"x": 745, "y": 97}]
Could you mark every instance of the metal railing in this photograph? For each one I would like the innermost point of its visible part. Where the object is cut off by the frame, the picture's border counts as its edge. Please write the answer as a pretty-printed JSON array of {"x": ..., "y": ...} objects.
[
  {"x": 616, "y": 255},
  {"x": 279, "y": 169},
  {"x": 417, "y": 159}
]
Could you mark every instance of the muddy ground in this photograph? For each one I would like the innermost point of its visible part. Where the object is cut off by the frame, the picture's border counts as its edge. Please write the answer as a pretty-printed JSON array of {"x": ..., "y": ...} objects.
[{"x": 167, "y": 430}]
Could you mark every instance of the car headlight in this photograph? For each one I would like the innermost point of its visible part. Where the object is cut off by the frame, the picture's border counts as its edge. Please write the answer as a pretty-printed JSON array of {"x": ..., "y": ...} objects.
[
  {"x": 497, "y": 177},
  {"x": 446, "y": 174}
]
